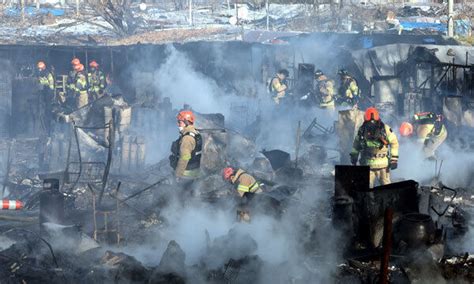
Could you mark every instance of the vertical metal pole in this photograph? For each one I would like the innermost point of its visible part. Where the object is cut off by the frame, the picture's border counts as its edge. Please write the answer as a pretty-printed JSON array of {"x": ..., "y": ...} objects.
[
  {"x": 22, "y": 4},
  {"x": 387, "y": 245},
  {"x": 450, "y": 18},
  {"x": 298, "y": 136},
  {"x": 228, "y": 7},
  {"x": 77, "y": 8},
  {"x": 37, "y": 4},
  {"x": 236, "y": 12},
  {"x": 267, "y": 7},
  {"x": 191, "y": 12}
]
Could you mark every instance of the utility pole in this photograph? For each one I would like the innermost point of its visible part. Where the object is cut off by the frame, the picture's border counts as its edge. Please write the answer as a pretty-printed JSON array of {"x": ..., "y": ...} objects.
[
  {"x": 191, "y": 12},
  {"x": 22, "y": 3},
  {"x": 267, "y": 7},
  {"x": 450, "y": 18}
]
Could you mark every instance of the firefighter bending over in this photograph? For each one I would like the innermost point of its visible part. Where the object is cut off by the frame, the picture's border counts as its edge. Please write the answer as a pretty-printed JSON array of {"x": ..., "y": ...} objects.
[
  {"x": 278, "y": 85},
  {"x": 245, "y": 185},
  {"x": 186, "y": 151},
  {"x": 430, "y": 131},
  {"x": 378, "y": 148}
]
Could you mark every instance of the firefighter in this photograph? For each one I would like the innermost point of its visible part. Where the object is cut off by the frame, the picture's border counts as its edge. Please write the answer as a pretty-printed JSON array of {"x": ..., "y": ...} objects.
[
  {"x": 45, "y": 78},
  {"x": 324, "y": 90},
  {"x": 46, "y": 94},
  {"x": 80, "y": 87},
  {"x": 96, "y": 80},
  {"x": 430, "y": 131},
  {"x": 378, "y": 147},
  {"x": 278, "y": 85},
  {"x": 186, "y": 151},
  {"x": 71, "y": 78},
  {"x": 348, "y": 93},
  {"x": 245, "y": 185}
]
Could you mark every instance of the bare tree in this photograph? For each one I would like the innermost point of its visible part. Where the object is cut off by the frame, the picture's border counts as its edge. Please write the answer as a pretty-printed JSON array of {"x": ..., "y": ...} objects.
[{"x": 117, "y": 13}]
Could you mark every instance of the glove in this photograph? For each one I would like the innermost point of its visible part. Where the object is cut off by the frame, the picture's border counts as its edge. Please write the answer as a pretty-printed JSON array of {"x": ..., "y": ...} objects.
[
  {"x": 354, "y": 159},
  {"x": 393, "y": 164}
]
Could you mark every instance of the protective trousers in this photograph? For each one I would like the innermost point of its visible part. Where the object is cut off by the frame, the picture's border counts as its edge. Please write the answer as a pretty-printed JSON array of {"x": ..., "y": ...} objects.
[
  {"x": 82, "y": 99},
  {"x": 382, "y": 175},
  {"x": 433, "y": 143}
]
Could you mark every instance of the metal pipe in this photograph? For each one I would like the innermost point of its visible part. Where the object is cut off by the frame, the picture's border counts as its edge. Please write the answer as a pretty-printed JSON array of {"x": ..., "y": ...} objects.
[
  {"x": 191, "y": 12},
  {"x": 450, "y": 18},
  {"x": 387, "y": 245},
  {"x": 267, "y": 8}
]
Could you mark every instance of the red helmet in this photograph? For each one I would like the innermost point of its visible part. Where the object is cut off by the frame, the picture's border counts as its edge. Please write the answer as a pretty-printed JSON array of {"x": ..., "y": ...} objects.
[
  {"x": 41, "y": 65},
  {"x": 371, "y": 114},
  {"x": 93, "y": 64},
  {"x": 78, "y": 67},
  {"x": 406, "y": 129},
  {"x": 227, "y": 173},
  {"x": 186, "y": 115},
  {"x": 75, "y": 61}
]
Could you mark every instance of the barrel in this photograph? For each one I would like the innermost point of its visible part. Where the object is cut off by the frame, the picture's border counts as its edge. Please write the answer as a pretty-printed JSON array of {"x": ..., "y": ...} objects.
[{"x": 51, "y": 203}]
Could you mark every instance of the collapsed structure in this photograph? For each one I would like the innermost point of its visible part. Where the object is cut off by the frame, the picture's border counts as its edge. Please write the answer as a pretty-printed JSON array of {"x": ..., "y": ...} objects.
[{"x": 99, "y": 198}]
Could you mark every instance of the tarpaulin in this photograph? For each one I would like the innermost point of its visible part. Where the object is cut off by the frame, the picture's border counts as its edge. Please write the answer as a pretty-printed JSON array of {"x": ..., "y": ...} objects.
[{"x": 31, "y": 11}]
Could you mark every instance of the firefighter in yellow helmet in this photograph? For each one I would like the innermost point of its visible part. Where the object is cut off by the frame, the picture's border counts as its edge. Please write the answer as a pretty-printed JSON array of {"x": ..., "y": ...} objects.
[
  {"x": 278, "y": 85},
  {"x": 324, "y": 91},
  {"x": 429, "y": 129},
  {"x": 246, "y": 185},
  {"x": 186, "y": 151},
  {"x": 377, "y": 146}
]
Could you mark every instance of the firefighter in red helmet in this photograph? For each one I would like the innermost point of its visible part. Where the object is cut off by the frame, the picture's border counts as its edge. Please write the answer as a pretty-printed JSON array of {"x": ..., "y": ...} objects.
[
  {"x": 377, "y": 146},
  {"x": 186, "y": 151},
  {"x": 246, "y": 185}
]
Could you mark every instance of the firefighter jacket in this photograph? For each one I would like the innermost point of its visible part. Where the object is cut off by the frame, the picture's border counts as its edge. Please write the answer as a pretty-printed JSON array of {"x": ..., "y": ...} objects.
[
  {"x": 46, "y": 80},
  {"x": 277, "y": 88},
  {"x": 71, "y": 80},
  {"x": 377, "y": 145},
  {"x": 245, "y": 183},
  {"x": 325, "y": 92},
  {"x": 429, "y": 126},
  {"x": 97, "y": 82},
  {"x": 349, "y": 92},
  {"x": 186, "y": 152},
  {"x": 80, "y": 84}
]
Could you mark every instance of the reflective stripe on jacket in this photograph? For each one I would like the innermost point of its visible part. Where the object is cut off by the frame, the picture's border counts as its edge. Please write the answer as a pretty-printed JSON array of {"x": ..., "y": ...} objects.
[{"x": 376, "y": 153}]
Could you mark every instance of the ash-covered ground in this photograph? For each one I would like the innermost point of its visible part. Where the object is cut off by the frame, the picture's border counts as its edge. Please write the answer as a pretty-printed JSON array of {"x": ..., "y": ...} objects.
[{"x": 155, "y": 232}]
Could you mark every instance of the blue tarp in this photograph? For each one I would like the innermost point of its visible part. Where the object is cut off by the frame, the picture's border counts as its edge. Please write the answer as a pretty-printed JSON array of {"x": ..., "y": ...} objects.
[
  {"x": 461, "y": 27},
  {"x": 30, "y": 11},
  {"x": 409, "y": 26}
]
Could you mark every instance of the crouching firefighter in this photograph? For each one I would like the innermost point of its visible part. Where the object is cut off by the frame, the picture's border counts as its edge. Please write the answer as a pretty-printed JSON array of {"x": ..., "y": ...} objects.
[
  {"x": 245, "y": 185},
  {"x": 429, "y": 129},
  {"x": 378, "y": 148},
  {"x": 186, "y": 151}
]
